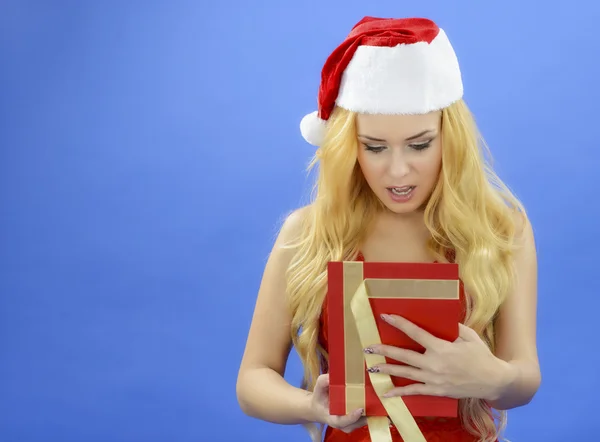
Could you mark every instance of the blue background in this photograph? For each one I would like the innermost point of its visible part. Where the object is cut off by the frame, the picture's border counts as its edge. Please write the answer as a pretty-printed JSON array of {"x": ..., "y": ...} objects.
[{"x": 149, "y": 151}]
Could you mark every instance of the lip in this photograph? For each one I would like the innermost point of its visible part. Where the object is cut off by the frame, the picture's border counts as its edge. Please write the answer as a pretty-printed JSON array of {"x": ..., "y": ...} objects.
[{"x": 401, "y": 198}]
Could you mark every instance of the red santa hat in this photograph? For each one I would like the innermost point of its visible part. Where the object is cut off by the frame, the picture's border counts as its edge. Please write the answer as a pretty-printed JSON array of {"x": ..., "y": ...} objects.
[{"x": 387, "y": 66}]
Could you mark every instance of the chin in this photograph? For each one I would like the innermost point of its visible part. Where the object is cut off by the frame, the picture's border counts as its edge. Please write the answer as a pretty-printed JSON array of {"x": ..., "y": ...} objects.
[{"x": 404, "y": 209}]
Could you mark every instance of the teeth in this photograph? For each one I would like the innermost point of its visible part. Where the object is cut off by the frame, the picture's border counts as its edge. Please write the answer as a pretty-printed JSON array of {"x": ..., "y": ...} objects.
[{"x": 401, "y": 191}]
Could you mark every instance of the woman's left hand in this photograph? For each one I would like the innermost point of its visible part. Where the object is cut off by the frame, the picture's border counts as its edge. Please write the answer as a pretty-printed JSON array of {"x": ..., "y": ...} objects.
[{"x": 464, "y": 368}]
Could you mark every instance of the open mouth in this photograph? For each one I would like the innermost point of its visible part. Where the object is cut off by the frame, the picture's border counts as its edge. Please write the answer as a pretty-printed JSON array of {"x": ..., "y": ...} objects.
[{"x": 401, "y": 191}]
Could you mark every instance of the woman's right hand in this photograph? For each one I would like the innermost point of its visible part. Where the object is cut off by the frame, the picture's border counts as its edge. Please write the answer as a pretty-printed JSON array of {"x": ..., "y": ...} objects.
[{"x": 320, "y": 408}]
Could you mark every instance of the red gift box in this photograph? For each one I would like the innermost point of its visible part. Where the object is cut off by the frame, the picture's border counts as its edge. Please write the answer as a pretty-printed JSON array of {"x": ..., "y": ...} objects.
[{"x": 427, "y": 294}]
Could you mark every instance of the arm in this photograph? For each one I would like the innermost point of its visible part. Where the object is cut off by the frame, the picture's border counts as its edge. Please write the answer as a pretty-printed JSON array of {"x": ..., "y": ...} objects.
[
  {"x": 261, "y": 389},
  {"x": 516, "y": 332}
]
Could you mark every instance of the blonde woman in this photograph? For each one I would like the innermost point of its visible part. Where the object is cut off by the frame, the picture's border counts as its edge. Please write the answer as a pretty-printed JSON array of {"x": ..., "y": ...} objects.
[{"x": 402, "y": 178}]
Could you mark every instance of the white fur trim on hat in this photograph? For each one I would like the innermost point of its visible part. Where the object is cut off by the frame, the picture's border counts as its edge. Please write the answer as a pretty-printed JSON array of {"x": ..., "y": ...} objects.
[{"x": 405, "y": 79}]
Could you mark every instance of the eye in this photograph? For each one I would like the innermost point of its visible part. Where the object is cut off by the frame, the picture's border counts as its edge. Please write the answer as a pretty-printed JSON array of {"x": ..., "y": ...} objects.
[
  {"x": 421, "y": 146},
  {"x": 375, "y": 149}
]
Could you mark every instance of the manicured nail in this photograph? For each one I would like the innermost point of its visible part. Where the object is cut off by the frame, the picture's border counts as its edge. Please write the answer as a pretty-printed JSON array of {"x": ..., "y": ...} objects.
[
  {"x": 385, "y": 317},
  {"x": 369, "y": 350},
  {"x": 373, "y": 370}
]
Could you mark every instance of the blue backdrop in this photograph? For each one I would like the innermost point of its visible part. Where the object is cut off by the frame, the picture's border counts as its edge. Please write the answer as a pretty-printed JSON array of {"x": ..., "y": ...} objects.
[{"x": 149, "y": 151}]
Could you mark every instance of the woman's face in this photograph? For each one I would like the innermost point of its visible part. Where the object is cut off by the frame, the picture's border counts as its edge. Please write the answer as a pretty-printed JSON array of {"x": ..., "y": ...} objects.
[{"x": 400, "y": 157}]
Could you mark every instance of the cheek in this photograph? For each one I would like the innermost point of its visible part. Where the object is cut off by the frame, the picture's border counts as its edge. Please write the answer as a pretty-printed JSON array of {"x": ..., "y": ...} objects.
[
  {"x": 429, "y": 165},
  {"x": 371, "y": 166}
]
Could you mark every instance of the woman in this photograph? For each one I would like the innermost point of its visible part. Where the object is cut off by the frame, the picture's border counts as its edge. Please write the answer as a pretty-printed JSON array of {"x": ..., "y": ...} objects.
[{"x": 401, "y": 179}]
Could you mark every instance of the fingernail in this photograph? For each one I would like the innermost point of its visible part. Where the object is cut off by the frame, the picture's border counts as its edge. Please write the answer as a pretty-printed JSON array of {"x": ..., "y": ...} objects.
[
  {"x": 385, "y": 317},
  {"x": 369, "y": 350},
  {"x": 373, "y": 370},
  {"x": 360, "y": 411}
]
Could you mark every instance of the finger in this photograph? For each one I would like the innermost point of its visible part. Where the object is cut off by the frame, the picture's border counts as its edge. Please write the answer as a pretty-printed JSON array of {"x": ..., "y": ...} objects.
[
  {"x": 347, "y": 420},
  {"x": 413, "y": 331},
  {"x": 321, "y": 389},
  {"x": 323, "y": 379},
  {"x": 401, "y": 371},
  {"x": 467, "y": 333},
  {"x": 359, "y": 423},
  {"x": 414, "y": 390},
  {"x": 409, "y": 357}
]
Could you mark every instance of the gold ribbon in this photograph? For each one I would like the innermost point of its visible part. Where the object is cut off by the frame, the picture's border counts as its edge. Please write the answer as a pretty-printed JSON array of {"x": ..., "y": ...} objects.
[{"x": 398, "y": 412}]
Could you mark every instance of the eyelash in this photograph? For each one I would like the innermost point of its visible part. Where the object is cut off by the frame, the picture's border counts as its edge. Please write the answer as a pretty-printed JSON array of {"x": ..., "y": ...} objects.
[{"x": 417, "y": 147}]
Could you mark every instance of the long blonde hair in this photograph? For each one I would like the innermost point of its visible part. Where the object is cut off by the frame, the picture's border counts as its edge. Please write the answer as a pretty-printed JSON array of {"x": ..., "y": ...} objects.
[{"x": 470, "y": 212}]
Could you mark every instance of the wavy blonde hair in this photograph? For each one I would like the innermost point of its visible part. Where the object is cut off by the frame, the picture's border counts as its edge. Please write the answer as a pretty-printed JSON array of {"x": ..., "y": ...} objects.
[{"x": 470, "y": 212}]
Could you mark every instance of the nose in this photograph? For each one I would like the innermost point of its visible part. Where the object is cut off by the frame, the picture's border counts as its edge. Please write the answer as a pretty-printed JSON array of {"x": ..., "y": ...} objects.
[{"x": 398, "y": 167}]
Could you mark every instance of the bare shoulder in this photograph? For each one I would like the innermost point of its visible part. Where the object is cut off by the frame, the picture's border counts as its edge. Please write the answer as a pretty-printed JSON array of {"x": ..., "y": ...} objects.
[
  {"x": 293, "y": 225},
  {"x": 524, "y": 234},
  {"x": 524, "y": 259}
]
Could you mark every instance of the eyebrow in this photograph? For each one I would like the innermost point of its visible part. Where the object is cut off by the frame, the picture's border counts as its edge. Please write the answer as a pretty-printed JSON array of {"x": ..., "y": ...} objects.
[{"x": 420, "y": 134}]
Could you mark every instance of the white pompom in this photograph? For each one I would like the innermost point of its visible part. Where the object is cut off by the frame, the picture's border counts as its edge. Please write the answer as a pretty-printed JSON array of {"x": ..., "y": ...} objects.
[{"x": 313, "y": 129}]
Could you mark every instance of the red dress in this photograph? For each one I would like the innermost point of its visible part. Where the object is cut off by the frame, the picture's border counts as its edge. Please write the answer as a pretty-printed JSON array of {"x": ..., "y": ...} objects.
[{"x": 434, "y": 429}]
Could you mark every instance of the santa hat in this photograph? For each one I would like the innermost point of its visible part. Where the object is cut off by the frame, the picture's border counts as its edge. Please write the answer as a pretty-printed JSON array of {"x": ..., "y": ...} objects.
[{"x": 387, "y": 66}]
